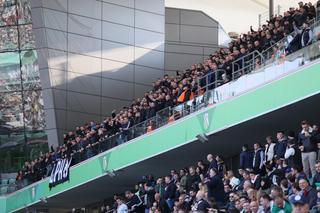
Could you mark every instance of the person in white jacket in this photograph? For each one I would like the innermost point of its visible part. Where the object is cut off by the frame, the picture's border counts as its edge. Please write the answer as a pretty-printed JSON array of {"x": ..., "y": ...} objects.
[{"x": 269, "y": 149}]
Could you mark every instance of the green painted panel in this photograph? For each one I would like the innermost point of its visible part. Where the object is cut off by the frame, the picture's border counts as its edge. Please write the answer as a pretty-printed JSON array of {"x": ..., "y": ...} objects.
[
  {"x": 2, "y": 204},
  {"x": 239, "y": 109}
]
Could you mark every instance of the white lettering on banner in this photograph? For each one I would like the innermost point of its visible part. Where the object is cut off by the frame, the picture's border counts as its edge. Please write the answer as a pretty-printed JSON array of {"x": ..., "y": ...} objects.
[
  {"x": 51, "y": 180},
  {"x": 61, "y": 169},
  {"x": 60, "y": 172},
  {"x": 57, "y": 170},
  {"x": 66, "y": 168}
]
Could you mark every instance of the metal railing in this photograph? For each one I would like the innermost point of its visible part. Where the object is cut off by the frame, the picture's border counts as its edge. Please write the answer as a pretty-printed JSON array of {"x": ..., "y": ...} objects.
[
  {"x": 208, "y": 85},
  {"x": 256, "y": 59},
  {"x": 246, "y": 64},
  {"x": 269, "y": 52}
]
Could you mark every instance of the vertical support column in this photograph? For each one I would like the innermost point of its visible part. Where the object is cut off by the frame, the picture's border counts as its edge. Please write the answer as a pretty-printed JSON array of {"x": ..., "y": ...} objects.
[{"x": 271, "y": 8}]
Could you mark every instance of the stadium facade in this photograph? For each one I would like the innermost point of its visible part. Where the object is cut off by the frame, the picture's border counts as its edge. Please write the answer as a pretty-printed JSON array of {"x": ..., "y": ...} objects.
[{"x": 67, "y": 62}]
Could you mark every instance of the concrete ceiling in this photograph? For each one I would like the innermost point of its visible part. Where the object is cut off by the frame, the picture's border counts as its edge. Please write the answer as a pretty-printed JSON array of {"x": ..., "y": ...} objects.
[{"x": 227, "y": 143}]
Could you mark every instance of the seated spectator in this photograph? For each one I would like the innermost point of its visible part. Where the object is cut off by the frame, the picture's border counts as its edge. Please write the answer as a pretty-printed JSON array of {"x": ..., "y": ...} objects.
[
  {"x": 233, "y": 180},
  {"x": 308, "y": 192},
  {"x": 281, "y": 205},
  {"x": 300, "y": 204}
]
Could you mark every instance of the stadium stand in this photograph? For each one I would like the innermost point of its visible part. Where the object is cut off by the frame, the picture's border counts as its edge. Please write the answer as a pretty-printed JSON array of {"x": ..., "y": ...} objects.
[
  {"x": 281, "y": 36},
  {"x": 274, "y": 177}
]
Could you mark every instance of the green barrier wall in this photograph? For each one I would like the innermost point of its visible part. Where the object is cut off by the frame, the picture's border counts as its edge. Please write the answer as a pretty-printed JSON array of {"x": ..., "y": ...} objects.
[{"x": 267, "y": 98}]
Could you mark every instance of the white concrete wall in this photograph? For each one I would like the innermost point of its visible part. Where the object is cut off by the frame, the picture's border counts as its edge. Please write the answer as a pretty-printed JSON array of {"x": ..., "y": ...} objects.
[
  {"x": 190, "y": 37},
  {"x": 96, "y": 56}
]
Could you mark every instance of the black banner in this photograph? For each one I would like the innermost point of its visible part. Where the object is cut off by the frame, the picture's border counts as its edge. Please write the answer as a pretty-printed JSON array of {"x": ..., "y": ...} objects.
[{"x": 60, "y": 172}]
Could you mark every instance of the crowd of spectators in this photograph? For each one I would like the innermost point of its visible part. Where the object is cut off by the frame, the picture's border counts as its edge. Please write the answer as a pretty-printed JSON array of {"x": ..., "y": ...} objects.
[
  {"x": 283, "y": 175},
  {"x": 170, "y": 91}
]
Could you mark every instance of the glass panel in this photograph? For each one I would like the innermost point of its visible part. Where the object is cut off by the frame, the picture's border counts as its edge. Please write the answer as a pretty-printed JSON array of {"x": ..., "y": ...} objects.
[
  {"x": 24, "y": 12},
  {"x": 8, "y": 16},
  {"x": 34, "y": 110},
  {"x": 27, "y": 40},
  {"x": 30, "y": 70},
  {"x": 7, "y": 3},
  {"x": 11, "y": 119},
  {"x": 8, "y": 39},
  {"x": 10, "y": 75}
]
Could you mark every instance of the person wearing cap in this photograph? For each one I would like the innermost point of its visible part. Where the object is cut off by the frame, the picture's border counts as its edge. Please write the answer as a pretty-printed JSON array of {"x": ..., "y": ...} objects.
[
  {"x": 300, "y": 204},
  {"x": 308, "y": 192}
]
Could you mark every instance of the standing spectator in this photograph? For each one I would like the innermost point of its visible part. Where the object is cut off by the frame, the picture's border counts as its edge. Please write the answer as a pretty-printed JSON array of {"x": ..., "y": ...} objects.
[
  {"x": 269, "y": 151},
  {"x": 149, "y": 193},
  {"x": 170, "y": 191},
  {"x": 245, "y": 158},
  {"x": 215, "y": 187},
  {"x": 308, "y": 148},
  {"x": 306, "y": 35},
  {"x": 281, "y": 146},
  {"x": 212, "y": 162},
  {"x": 121, "y": 206},
  {"x": 292, "y": 155},
  {"x": 222, "y": 168},
  {"x": 160, "y": 187},
  {"x": 192, "y": 179},
  {"x": 258, "y": 157},
  {"x": 134, "y": 202},
  {"x": 183, "y": 179}
]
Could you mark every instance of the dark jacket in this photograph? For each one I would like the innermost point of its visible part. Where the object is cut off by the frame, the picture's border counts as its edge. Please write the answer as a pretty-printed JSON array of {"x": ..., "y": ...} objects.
[
  {"x": 258, "y": 157},
  {"x": 308, "y": 142},
  {"x": 163, "y": 206},
  {"x": 192, "y": 181},
  {"x": 170, "y": 191},
  {"x": 311, "y": 196},
  {"x": 316, "y": 180},
  {"x": 202, "y": 206},
  {"x": 216, "y": 189},
  {"x": 280, "y": 148},
  {"x": 137, "y": 203},
  {"x": 245, "y": 159}
]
